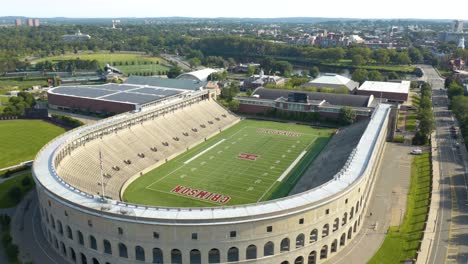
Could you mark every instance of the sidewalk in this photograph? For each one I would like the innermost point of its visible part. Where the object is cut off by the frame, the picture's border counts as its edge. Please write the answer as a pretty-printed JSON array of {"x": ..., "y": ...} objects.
[
  {"x": 431, "y": 222},
  {"x": 387, "y": 204}
]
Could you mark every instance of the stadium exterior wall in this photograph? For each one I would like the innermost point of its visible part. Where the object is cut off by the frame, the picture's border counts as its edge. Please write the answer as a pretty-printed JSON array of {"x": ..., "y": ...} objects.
[
  {"x": 311, "y": 232},
  {"x": 87, "y": 104}
]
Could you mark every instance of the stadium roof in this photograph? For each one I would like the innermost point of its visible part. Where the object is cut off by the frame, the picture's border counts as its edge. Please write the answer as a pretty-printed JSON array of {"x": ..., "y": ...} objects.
[
  {"x": 185, "y": 84},
  {"x": 332, "y": 80},
  {"x": 201, "y": 75},
  {"x": 331, "y": 98},
  {"x": 123, "y": 93},
  {"x": 386, "y": 87}
]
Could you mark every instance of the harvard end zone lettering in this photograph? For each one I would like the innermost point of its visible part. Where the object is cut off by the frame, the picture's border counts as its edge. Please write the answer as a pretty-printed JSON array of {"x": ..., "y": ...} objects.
[
  {"x": 278, "y": 132},
  {"x": 247, "y": 156},
  {"x": 201, "y": 194}
]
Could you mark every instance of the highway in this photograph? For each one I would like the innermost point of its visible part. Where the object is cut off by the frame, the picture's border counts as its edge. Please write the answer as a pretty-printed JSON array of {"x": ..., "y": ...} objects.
[{"x": 450, "y": 243}]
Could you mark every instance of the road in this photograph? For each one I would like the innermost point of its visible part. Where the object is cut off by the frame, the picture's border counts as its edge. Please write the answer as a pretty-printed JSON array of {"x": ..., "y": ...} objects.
[{"x": 450, "y": 243}]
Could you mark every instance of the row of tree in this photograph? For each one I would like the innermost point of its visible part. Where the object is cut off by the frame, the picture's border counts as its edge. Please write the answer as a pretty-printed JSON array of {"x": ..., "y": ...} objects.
[
  {"x": 425, "y": 116},
  {"x": 68, "y": 65},
  {"x": 17, "y": 105},
  {"x": 247, "y": 48},
  {"x": 459, "y": 105}
]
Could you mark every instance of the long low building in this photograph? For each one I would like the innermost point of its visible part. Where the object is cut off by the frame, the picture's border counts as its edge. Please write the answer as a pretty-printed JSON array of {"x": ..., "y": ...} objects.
[
  {"x": 108, "y": 98},
  {"x": 111, "y": 99},
  {"x": 392, "y": 91},
  {"x": 328, "y": 105}
]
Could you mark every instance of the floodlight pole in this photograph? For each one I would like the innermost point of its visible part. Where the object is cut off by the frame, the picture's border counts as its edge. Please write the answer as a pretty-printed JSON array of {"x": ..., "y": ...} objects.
[{"x": 102, "y": 174}]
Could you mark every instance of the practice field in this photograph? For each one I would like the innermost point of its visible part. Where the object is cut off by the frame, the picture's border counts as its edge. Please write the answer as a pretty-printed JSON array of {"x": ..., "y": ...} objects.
[
  {"x": 20, "y": 140},
  {"x": 244, "y": 164},
  {"x": 129, "y": 63}
]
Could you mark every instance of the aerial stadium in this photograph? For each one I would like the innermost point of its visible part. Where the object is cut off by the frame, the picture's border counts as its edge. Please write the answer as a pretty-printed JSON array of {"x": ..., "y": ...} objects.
[{"x": 187, "y": 181}]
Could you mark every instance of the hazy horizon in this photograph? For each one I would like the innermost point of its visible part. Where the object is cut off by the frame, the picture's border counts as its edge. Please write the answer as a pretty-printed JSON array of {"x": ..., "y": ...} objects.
[{"x": 358, "y": 9}]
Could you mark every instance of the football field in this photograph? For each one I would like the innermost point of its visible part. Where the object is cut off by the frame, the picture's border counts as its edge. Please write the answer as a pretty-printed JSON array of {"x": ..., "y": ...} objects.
[{"x": 243, "y": 164}]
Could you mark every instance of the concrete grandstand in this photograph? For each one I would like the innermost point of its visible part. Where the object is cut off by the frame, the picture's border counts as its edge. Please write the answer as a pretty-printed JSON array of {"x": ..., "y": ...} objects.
[{"x": 309, "y": 226}]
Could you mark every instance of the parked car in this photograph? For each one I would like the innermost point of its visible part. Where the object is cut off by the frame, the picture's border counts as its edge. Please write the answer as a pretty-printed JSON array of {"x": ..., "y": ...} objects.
[{"x": 416, "y": 152}]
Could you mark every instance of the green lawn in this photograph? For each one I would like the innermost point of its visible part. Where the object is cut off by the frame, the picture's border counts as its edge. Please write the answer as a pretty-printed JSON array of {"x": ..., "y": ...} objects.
[
  {"x": 411, "y": 121},
  {"x": 415, "y": 100},
  {"x": 127, "y": 62},
  {"x": 395, "y": 68},
  {"x": 16, "y": 84},
  {"x": 5, "y": 200},
  {"x": 240, "y": 165},
  {"x": 20, "y": 140},
  {"x": 402, "y": 242},
  {"x": 144, "y": 68}
]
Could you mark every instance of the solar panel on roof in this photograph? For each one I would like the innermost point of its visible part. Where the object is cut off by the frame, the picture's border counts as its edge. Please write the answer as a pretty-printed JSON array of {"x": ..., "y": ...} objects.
[
  {"x": 156, "y": 91},
  {"x": 82, "y": 91},
  {"x": 132, "y": 97}
]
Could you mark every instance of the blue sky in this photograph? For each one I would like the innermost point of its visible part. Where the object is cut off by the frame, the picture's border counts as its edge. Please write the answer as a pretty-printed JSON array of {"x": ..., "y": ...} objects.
[{"x": 448, "y": 9}]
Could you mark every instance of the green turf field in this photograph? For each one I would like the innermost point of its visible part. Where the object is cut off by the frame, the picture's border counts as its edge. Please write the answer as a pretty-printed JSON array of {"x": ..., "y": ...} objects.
[
  {"x": 20, "y": 140},
  {"x": 244, "y": 164}
]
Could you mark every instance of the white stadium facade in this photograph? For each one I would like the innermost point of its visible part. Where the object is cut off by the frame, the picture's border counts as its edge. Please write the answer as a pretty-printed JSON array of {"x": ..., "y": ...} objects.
[{"x": 308, "y": 227}]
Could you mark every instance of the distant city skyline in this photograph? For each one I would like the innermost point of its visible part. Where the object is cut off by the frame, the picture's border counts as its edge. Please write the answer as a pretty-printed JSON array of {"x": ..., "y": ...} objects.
[{"x": 451, "y": 9}]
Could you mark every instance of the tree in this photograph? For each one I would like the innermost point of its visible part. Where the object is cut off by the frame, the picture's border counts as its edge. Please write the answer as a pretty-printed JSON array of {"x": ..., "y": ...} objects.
[
  {"x": 315, "y": 72},
  {"x": 426, "y": 122},
  {"x": 381, "y": 56},
  {"x": 250, "y": 71},
  {"x": 402, "y": 58},
  {"x": 360, "y": 75},
  {"x": 234, "y": 105},
  {"x": 364, "y": 52},
  {"x": 12, "y": 252},
  {"x": 358, "y": 59},
  {"x": 174, "y": 72},
  {"x": 454, "y": 89},
  {"x": 26, "y": 181},
  {"x": 194, "y": 62},
  {"x": 375, "y": 76},
  {"x": 15, "y": 194},
  {"x": 415, "y": 55},
  {"x": 393, "y": 76},
  {"x": 347, "y": 115}
]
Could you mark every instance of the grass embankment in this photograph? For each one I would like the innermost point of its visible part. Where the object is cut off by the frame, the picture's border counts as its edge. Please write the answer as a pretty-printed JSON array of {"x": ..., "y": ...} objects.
[
  {"x": 402, "y": 242},
  {"x": 411, "y": 118},
  {"x": 389, "y": 68},
  {"x": 20, "y": 140},
  {"x": 13, "y": 190}
]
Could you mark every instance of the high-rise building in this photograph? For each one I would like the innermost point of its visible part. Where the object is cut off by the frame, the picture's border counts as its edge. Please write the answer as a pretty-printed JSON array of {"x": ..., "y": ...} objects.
[
  {"x": 18, "y": 22},
  {"x": 458, "y": 26},
  {"x": 30, "y": 22},
  {"x": 36, "y": 22},
  {"x": 461, "y": 43}
]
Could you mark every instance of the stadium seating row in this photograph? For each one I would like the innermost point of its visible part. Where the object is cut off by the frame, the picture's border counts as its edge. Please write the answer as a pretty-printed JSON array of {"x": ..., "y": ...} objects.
[{"x": 127, "y": 152}]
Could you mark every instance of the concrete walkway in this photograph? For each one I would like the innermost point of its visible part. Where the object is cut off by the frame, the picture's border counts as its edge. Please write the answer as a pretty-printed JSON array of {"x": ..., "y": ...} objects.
[
  {"x": 27, "y": 233},
  {"x": 431, "y": 222},
  {"x": 387, "y": 202}
]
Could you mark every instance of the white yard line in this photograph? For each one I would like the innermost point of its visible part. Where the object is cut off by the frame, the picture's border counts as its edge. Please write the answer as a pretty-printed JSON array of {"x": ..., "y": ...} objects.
[
  {"x": 286, "y": 172},
  {"x": 204, "y": 151},
  {"x": 289, "y": 169}
]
